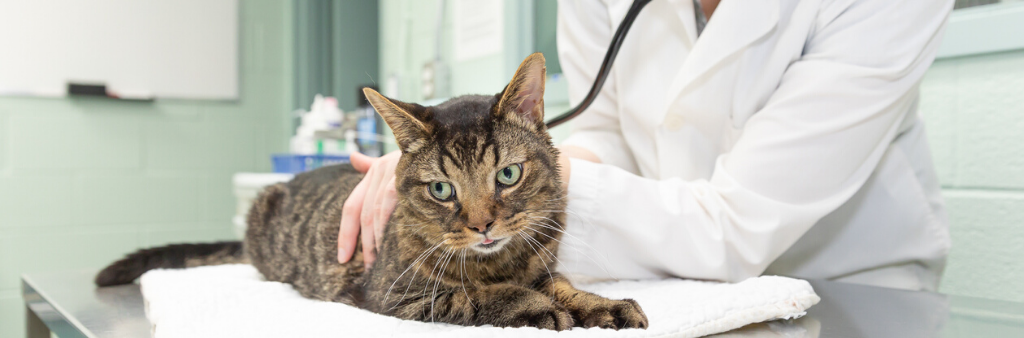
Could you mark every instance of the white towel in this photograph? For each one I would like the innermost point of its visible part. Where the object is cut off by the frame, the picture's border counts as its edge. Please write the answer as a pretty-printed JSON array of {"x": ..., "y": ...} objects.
[{"x": 235, "y": 301}]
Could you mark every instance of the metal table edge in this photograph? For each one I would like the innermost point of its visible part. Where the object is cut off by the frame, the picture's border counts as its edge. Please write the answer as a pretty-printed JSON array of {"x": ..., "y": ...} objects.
[{"x": 51, "y": 314}]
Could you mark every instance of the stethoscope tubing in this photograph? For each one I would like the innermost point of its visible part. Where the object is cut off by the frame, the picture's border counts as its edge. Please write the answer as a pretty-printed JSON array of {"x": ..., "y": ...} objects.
[{"x": 606, "y": 65}]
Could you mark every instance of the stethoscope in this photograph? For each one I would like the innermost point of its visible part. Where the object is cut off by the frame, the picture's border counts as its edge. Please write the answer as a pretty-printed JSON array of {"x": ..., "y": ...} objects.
[{"x": 606, "y": 64}]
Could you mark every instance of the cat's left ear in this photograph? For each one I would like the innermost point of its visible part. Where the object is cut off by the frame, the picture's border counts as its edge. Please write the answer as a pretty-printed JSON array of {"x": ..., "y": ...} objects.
[{"x": 524, "y": 96}]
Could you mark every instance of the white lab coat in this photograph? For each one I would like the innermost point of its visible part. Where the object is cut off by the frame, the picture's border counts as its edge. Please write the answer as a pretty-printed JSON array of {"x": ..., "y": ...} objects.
[{"x": 785, "y": 141}]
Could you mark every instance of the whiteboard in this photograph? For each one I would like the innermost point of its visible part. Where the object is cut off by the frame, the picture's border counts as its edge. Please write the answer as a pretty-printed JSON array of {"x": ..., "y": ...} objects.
[{"x": 184, "y": 49}]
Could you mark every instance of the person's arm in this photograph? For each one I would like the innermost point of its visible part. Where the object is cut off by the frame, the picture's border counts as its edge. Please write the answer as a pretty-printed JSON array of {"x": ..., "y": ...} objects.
[
  {"x": 584, "y": 31},
  {"x": 813, "y": 145}
]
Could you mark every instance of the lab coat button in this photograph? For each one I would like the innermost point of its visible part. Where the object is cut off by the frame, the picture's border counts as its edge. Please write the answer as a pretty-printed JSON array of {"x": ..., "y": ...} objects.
[{"x": 673, "y": 123}]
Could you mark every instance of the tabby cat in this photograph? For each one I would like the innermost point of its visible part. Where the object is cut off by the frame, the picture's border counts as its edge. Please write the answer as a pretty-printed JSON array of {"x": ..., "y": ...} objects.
[{"x": 471, "y": 242}]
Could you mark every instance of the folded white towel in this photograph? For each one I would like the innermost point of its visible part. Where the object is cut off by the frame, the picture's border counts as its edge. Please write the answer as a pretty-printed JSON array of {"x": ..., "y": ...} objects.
[{"x": 235, "y": 301}]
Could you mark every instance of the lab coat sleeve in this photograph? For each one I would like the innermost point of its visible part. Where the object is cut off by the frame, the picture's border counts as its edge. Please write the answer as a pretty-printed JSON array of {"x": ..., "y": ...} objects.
[
  {"x": 806, "y": 152},
  {"x": 583, "y": 33}
]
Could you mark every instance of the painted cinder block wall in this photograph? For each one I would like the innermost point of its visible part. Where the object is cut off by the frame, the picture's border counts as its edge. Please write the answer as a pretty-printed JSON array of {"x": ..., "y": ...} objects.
[
  {"x": 83, "y": 182},
  {"x": 974, "y": 111}
]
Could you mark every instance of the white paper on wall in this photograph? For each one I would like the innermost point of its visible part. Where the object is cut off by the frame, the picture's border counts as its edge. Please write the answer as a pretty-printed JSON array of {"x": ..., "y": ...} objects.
[{"x": 479, "y": 28}]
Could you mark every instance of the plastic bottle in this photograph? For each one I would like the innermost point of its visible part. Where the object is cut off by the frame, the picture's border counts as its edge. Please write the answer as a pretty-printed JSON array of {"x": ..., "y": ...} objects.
[{"x": 323, "y": 114}]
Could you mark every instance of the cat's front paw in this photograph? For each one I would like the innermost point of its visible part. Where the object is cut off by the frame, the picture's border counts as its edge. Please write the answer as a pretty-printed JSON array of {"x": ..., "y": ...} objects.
[
  {"x": 549, "y": 317},
  {"x": 615, "y": 314}
]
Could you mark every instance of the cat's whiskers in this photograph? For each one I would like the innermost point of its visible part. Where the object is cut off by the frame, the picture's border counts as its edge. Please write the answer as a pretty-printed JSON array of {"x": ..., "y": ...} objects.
[
  {"x": 568, "y": 212},
  {"x": 462, "y": 272},
  {"x": 588, "y": 223},
  {"x": 414, "y": 272},
  {"x": 545, "y": 248},
  {"x": 437, "y": 281},
  {"x": 420, "y": 257},
  {"x": 576, "y": 239},
  {"x": 431, "y": 275},
  {"x": 549, "y": 219},
  {"x": 561, "y": 229},
  {"x": 445, "y": 270},
  {"x": 527, "y": 214},
  {"x": 527, "y": 239}
]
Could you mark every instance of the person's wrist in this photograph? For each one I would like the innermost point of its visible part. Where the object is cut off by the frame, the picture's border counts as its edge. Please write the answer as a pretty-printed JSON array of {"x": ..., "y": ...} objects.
[
  {"x": 580, "y": 153},
  {"x": 565, "y": 170}
]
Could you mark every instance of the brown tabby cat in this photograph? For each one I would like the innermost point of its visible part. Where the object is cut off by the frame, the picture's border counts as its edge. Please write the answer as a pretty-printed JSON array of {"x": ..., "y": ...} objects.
[{"x": 472, "y": 239}]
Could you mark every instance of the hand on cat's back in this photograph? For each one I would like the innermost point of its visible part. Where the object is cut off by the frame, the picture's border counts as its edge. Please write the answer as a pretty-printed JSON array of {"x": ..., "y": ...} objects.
[{"x": 368, "y": 207}]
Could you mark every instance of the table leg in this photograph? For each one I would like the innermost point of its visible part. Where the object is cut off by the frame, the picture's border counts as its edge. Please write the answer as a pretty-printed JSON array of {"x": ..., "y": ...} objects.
[{"x": 34, "y": 327}]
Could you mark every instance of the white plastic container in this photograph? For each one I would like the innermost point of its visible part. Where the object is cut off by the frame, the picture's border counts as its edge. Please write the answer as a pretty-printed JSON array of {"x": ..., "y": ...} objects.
[{"x": 323, "y": 114}]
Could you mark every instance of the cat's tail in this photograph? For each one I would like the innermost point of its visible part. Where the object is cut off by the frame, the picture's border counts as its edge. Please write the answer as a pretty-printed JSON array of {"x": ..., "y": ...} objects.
[{"x": 175, "y": 256}]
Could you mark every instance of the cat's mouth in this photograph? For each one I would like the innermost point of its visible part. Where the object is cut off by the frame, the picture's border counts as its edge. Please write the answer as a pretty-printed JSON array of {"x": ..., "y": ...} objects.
[{"x": 490, "y": 245}]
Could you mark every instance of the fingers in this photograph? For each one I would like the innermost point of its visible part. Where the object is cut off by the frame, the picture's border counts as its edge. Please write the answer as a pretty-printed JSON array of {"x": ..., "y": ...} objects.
[
  {"x": 367, "y": 214},
  {"x": 369, "y": 251},
  {"x": 361, "y": 162},
  {"x": 381, "y": 210},
  {"x": 389, "y": 201},
  {"x": 370, "y": 199},
  {"x": 349, "y": 232}
]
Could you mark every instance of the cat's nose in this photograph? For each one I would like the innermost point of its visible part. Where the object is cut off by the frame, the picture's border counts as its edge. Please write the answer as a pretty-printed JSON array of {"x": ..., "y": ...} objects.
[{"x": 481, "y": 227}]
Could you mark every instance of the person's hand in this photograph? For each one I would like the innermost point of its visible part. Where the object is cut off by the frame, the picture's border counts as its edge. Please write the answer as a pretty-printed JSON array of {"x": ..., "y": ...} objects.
[{"x": 368, "y": 207}]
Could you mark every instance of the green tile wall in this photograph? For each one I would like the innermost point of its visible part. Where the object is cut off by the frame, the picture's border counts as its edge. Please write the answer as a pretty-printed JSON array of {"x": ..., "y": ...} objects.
[
  {"x": 28, "y": 201},
  {"x": 83, "y": 182},
  {"x": 988, "y": 243},
  {"x": 11, "y": 308},
  {"x": 4, "y": 135},
  {"x": 84, "y": 140},
  {"x": 974, "y": 110}
]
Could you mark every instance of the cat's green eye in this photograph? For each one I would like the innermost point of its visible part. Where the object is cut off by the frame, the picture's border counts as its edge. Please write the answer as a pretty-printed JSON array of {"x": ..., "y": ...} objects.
[
  {"x": 441, "y": 190},
  {"x": 510, "y": 175}
]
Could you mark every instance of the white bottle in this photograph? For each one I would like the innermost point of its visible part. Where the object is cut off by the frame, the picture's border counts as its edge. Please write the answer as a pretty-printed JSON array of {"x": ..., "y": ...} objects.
[
  {"x": 350, "y": 142},
  {"x": 323, "y": 115},
  {"x": 303, "y": 142},
  {"x": 333, "y": 116}
]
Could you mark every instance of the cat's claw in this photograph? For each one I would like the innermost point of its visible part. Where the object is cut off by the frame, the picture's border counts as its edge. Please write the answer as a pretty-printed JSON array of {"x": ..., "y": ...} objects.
[
  {"x": 616, "y": 314},
  {"x": 551, "y": 318}
]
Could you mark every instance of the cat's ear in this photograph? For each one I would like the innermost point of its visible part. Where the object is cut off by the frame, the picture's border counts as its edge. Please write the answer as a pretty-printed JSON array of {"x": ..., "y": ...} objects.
[
  {"x": 405, "y": 120},
  {"x": 524, "y": 96}
]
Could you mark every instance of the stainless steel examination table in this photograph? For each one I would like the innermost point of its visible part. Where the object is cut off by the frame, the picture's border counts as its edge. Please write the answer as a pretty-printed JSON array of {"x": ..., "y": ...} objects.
[{"x": 68, "y": 304}]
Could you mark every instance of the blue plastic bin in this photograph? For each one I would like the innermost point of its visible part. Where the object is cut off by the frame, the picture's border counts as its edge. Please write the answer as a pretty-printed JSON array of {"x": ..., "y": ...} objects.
[{"x": 294, "y": 164}]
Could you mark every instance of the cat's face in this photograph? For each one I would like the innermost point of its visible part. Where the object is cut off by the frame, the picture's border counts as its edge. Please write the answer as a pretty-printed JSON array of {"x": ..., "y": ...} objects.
[{"x": 479, "y": 171}]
